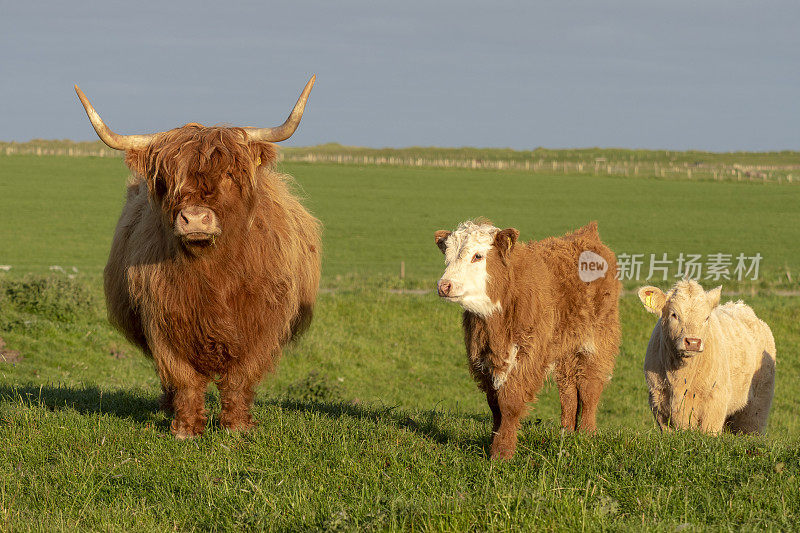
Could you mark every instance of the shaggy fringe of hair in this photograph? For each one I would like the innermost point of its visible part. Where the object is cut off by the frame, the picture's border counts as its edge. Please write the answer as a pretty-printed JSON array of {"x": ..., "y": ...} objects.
[{"x": 199, "y": 155}]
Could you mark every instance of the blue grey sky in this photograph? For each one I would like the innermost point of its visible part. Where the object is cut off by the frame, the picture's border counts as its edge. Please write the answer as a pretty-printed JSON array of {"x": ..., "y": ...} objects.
[{"x": 711, "y": 75}]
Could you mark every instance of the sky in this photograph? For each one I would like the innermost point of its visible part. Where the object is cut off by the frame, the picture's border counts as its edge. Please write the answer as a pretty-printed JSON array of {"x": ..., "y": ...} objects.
[{"x": 720, "y": 75}]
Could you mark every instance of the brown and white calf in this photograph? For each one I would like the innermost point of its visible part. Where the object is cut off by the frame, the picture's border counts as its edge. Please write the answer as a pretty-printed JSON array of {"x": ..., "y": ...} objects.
[{"x": 528, "y": 310}]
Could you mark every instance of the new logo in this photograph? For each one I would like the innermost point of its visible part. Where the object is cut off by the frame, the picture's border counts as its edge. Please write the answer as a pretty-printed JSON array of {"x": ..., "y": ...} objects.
[{"x": 591, "y": 266}]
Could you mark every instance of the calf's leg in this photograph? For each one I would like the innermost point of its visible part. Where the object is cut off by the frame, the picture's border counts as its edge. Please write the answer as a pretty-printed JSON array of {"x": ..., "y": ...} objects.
[
  {"x": 589, "y": 390},
  {"x": 753, "y": 417},
  {"x": 568, "y": 395},
  {"x": 596, "y": 363},
  {"x": 512, "y": 409},
  {"x": 497, "y": 415},
  {"x": 711, "y": 418}
]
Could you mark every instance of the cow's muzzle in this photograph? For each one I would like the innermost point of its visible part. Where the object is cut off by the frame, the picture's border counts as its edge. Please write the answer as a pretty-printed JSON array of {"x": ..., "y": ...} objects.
[
  {"x": 691, "y": 346},
  {"x": 447, "y": 288},
  {"x": 196, "y": 224}
]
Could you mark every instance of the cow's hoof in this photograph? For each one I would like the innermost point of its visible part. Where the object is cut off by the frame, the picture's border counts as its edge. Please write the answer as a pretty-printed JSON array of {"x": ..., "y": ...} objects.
[
  {"x": 184, "y": 431},
  {"x": 238, "y": 424}
]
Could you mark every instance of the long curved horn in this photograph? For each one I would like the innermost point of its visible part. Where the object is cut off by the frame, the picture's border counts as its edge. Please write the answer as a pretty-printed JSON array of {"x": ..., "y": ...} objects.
[
  {"x": 117, "y": 142},
  {"x": 284, "y": 131}
]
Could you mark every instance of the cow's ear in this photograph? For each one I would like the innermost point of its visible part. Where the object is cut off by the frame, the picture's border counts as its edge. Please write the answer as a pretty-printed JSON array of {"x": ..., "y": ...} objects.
[
  {"x": 505, "y": 239},
  {"x": 137, "y": 161},
  {"x": 713, "y": 296},
  {"x": 653, "y": 299},
  {"x": 440, "y": 237},
  {"x": 264, "y": 153}
]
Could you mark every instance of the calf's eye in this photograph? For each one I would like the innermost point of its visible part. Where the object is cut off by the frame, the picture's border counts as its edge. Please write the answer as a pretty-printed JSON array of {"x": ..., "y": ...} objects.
[
  {"x": 673, "y": 315},
  {"x": 477, "y": 257}
]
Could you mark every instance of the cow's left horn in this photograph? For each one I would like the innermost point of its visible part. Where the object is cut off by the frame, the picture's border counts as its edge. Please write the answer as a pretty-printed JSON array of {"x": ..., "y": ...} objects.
[
  {"x": 284, "y": 131},
  {"x": 117, "y": 142}
]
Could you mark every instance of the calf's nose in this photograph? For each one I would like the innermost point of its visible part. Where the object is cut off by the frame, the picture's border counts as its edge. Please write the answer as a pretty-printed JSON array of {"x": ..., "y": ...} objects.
[
  {"x": 444, "y": 287},
  {"x": 692, "y": 343}
]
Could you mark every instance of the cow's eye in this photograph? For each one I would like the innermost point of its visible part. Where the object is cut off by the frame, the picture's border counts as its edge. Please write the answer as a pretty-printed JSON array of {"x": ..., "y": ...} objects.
[
  {"x": 673, "y": 315},
  {"x": 477, "y": 257}
]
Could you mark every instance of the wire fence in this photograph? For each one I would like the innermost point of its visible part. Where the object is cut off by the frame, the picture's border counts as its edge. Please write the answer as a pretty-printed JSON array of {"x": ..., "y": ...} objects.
[
  {"x": 736, "y": 172},
  {"x": 787, "y": 173}
]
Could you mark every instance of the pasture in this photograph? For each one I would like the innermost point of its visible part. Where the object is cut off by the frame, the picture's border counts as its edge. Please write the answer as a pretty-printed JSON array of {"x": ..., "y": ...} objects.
[{"x": 372, "y": 421}]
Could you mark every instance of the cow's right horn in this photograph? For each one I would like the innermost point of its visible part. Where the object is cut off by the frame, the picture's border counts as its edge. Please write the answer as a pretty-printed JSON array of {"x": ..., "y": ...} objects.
[
  {"x": 117, "y": 142},
  {"x": 285, "y": 130}
]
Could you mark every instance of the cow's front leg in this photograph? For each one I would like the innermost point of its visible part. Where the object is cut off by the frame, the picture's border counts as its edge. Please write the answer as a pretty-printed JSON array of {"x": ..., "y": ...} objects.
[
  {"x": 184, "y": 390},
  {"x": 190, "y": 413},
  {"x": 236, "y": 404},
  {"x": 167, "y": 401},
  {"x": 236, "y": 389}
]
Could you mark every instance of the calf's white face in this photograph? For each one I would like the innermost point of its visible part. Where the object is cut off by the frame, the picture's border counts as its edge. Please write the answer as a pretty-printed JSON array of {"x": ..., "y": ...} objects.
[
  {"x": 465, "y": 277},
  {"x": 685, "y": 312}
]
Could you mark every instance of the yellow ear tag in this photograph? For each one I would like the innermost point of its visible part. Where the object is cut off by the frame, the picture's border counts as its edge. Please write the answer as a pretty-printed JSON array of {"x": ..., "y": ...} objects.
[
  {"x": 258, "y": 161},
  {"x": 648, "y": 301}
]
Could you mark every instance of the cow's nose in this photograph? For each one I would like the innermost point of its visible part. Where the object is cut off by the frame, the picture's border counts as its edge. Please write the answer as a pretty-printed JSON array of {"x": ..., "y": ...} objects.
[
  {"x": 692, "y": 343},
  {"x": 196, "y": 219},
  {"x": 444, "y": 287}
]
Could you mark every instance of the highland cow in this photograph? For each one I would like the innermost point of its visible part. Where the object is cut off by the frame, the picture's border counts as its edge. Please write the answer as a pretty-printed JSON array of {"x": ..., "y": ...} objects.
[
  {"x": 214, "y": 265},
  {"x": 527, "y": 311},
  {"x": 708, "y": 366}
]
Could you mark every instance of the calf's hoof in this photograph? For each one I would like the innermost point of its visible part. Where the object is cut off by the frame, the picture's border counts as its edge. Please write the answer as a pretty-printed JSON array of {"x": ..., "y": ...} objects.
[{"x": 502, "y": 451}]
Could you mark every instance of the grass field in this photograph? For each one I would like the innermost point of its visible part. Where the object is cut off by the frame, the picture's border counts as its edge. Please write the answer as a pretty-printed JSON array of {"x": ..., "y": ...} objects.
[
  {"x": 371, "y": 421},
  {"x": 58, "y": 211}
]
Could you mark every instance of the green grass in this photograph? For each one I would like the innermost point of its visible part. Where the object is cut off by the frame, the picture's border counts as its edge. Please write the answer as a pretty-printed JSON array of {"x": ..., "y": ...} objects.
[
  {"x": 396, "y": 437},
  {"x": 371, "y": 421}
]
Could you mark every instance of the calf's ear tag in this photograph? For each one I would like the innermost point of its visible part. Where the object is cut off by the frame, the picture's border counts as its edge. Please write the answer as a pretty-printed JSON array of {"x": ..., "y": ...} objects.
[
  {"x": 258, "y": 161},
  {"x": 648, "y": 300}
]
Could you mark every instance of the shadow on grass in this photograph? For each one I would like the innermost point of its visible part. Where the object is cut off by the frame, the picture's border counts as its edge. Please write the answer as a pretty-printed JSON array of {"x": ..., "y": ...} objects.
[
  {"x": 427, "y": 423},
  {"x": 142, "y": 407},
  {"x": 138, "y": 406}
]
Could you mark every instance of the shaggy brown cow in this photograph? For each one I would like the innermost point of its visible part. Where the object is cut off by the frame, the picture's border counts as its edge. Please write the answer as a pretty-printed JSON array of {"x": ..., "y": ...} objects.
[
  {"x": 528, "y": 310},
  {"x": 214, "y": 265}
]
